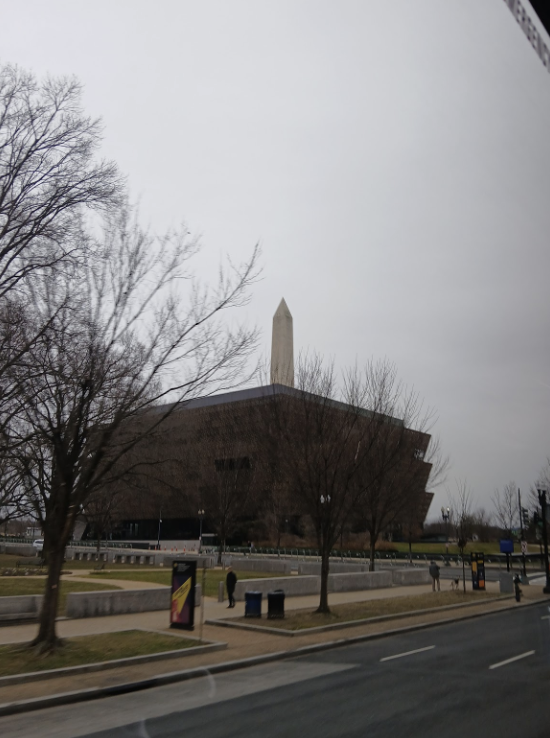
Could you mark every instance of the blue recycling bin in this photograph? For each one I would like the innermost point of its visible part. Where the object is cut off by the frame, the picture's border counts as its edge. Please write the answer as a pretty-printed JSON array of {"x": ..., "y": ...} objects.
[{"x": 253, "y": 604}]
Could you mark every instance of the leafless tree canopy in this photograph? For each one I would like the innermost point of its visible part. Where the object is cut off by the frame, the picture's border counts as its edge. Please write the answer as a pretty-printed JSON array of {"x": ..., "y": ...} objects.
[
  {"x": 47, "y": 172},
  {"x": 114, "y": 336},
  {"x": 345, "y": 451},
  {"x": 505, "y": 503}
]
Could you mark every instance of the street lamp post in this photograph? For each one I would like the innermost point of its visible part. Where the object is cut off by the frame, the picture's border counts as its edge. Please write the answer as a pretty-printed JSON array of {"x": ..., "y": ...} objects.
[
  {"x": 201, "y": 517},
  {"x": 542, "y": 500},
  {"x": 158, "y": 533},
  {"x": 445, "y": 512}
]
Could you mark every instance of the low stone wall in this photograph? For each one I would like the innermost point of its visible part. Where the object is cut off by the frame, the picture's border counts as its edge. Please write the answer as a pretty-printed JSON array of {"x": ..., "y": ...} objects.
[
  {"x": 121, "y": 556},
  {"x": 202, "y": 561},
  {"x": 120, "y": 602},
  {"x": 359, "y": 581},
  {"x": 336, "y": 567},
  {"x": 404, "y": 577},
  {"x": 19, "y": 549},
  {"x": 22, "y": 605},
  {"x": 311, "y": 584},
  {"x": 275, "y": 566},
  {"x": 292, "y": 586}
]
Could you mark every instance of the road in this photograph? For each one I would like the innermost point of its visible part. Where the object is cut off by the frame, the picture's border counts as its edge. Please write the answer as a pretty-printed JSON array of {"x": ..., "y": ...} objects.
[{"x": 484, "y": 677}]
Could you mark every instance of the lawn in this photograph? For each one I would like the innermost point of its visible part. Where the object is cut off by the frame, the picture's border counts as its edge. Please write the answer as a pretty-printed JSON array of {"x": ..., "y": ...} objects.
[
  {"x": 440, "y": 548},
  {"x": 89, "y": 650},
  {"x": 213, "y": 577},
  {"x": 13, "y": 586},
  {"x": 301, "y": 619}
]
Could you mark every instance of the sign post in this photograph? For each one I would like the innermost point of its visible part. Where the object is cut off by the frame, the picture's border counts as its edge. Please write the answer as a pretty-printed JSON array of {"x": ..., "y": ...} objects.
[
  {"x": 182, "y": 600},
  {"x": 478, "y": 570},
  {"x": 507, "y": 547}
]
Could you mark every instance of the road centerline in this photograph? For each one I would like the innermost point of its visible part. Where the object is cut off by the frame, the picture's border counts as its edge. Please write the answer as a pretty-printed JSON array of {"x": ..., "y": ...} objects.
[
  {"x": 512, "y": 659},
  {"x": 407, "y": 653}
]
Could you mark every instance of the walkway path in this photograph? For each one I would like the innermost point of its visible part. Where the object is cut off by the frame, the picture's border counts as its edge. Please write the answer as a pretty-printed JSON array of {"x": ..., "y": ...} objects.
[{"x": 241, "y": 643}]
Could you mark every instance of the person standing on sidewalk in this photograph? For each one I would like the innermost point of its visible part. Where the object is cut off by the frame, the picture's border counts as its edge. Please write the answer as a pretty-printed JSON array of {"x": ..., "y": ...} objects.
[
  {"x": 230, "y": 583},
  {"x": 434, "y": 573}
]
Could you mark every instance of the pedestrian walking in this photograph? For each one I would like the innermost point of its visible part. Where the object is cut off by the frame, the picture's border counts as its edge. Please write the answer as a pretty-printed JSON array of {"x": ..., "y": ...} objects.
[
  {"x": 230, "y": 582},
  {"x": 434, "y": 573}
]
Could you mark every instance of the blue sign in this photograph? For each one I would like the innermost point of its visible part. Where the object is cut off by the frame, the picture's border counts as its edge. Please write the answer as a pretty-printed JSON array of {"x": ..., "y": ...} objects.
[{"x": 506, "y": 546}]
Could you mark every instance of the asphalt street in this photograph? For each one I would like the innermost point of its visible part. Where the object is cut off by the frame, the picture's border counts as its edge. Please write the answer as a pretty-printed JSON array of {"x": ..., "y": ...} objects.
[{"x": 484, "y": 677}]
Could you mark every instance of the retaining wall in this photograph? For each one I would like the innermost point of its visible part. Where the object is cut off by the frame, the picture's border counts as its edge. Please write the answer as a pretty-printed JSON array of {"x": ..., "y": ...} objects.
[
  {"x": 22, "y": 605},
  {"x": 404, "y": 577},
  {"x": 121, "y": 602},
  {"x": 359, "y": 581},
  {"x": 202, "y": 561},
  {"x": 336, "y": 567},
  {"x": 275, "y": 566},
  {"x": 311, "y": 584},
  {"x": 292, "y": 586},
  {"x": 18, "y": 549}
]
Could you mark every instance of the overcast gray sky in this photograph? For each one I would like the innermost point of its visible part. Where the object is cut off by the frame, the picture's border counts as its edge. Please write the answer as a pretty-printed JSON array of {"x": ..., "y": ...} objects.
[{"x": 391, "y": 157}]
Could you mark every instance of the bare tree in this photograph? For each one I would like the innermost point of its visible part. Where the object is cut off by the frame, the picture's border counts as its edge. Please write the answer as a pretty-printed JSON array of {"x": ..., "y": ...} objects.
[
  {"x": 119, "y": 341},
  {"x": 48, "y": 173},
  {"x": 461, "y": 519},
  {"x": 339, "y": 451},
  {"x": 481, "y": 521},
  {"x": 49, "y": 176},
  {"x": 315, "y": 442},
  {"x": 505, "y": 503},
  {"x": 400, "y": 459},
  {"x": 13, "y": 501}
]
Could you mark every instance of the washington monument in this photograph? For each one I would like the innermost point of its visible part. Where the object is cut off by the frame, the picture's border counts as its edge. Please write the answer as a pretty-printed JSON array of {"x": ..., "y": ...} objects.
[{"x": 282, "y": 347}]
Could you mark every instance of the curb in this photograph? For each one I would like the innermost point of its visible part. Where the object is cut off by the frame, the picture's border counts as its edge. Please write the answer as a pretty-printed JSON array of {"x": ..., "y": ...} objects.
[
  {"x": 37, "y": 676},
  {"x": 229, "y": 623},
  {"x": 67, "y": 698}
]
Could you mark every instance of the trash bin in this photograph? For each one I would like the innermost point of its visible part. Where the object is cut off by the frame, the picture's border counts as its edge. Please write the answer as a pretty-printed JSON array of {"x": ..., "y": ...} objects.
[
  {"x": 276, "y": 604},
  {"x": 506, "y": 583},
  {"x": 253, "y": 604}
]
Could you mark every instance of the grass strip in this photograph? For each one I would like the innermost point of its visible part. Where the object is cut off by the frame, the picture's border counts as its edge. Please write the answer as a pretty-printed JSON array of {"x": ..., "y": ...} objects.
[
  {"x": 303, "y": 619},
  {"x": 20, "y": 659},
  {"x": 213, "y": 577},
  {"x": 16, "y": 586}
]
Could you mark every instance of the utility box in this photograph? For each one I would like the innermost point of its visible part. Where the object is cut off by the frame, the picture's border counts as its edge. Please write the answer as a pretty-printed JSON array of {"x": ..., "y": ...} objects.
[{"x": 506, "y": 583}]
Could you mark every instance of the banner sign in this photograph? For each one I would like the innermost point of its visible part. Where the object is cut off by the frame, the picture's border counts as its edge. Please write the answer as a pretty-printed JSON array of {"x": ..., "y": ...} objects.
[
  {"x": 182, "y": 601},
  {"x": 478, "y": 570}
]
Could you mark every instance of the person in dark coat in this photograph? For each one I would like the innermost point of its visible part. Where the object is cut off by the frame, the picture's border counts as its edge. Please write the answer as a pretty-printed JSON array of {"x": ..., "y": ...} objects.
[
  {"x": 434, "y": 573},
  {"x": 230, "y": 582}
]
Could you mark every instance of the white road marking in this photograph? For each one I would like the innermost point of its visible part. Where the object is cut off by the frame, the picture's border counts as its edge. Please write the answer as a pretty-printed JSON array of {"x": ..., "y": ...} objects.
[
  {"x": 545, "y": 617},
  {"x": 514, "y": 658},
  {"x": 407, "y": 653}
]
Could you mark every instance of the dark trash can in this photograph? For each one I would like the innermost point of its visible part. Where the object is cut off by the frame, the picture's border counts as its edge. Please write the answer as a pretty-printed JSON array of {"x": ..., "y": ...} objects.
[
  {"x": 253, "y": 604},
  {"x": 276, "y": 604}
]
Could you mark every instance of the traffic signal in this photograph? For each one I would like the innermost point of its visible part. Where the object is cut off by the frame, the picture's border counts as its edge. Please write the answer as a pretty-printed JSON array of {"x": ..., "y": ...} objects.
[
  {"x": 537, "y": 519},
  {"x": 525, "y": 517}
]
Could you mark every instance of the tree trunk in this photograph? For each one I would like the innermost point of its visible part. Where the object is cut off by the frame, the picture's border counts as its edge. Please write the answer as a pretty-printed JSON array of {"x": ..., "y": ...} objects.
[
  {"x": 372, "y": 552},
  {"x": 323, "y": 601},
  {"x": 47, "y": 639}
]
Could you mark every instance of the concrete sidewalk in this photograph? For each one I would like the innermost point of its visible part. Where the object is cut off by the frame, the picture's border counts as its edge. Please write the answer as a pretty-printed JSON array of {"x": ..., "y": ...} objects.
[{"x": 242, "y": 644}]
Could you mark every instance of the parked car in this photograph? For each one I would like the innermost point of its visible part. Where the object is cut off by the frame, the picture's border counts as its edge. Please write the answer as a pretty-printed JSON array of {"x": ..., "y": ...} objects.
[{"x": 38, "y": 545}]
